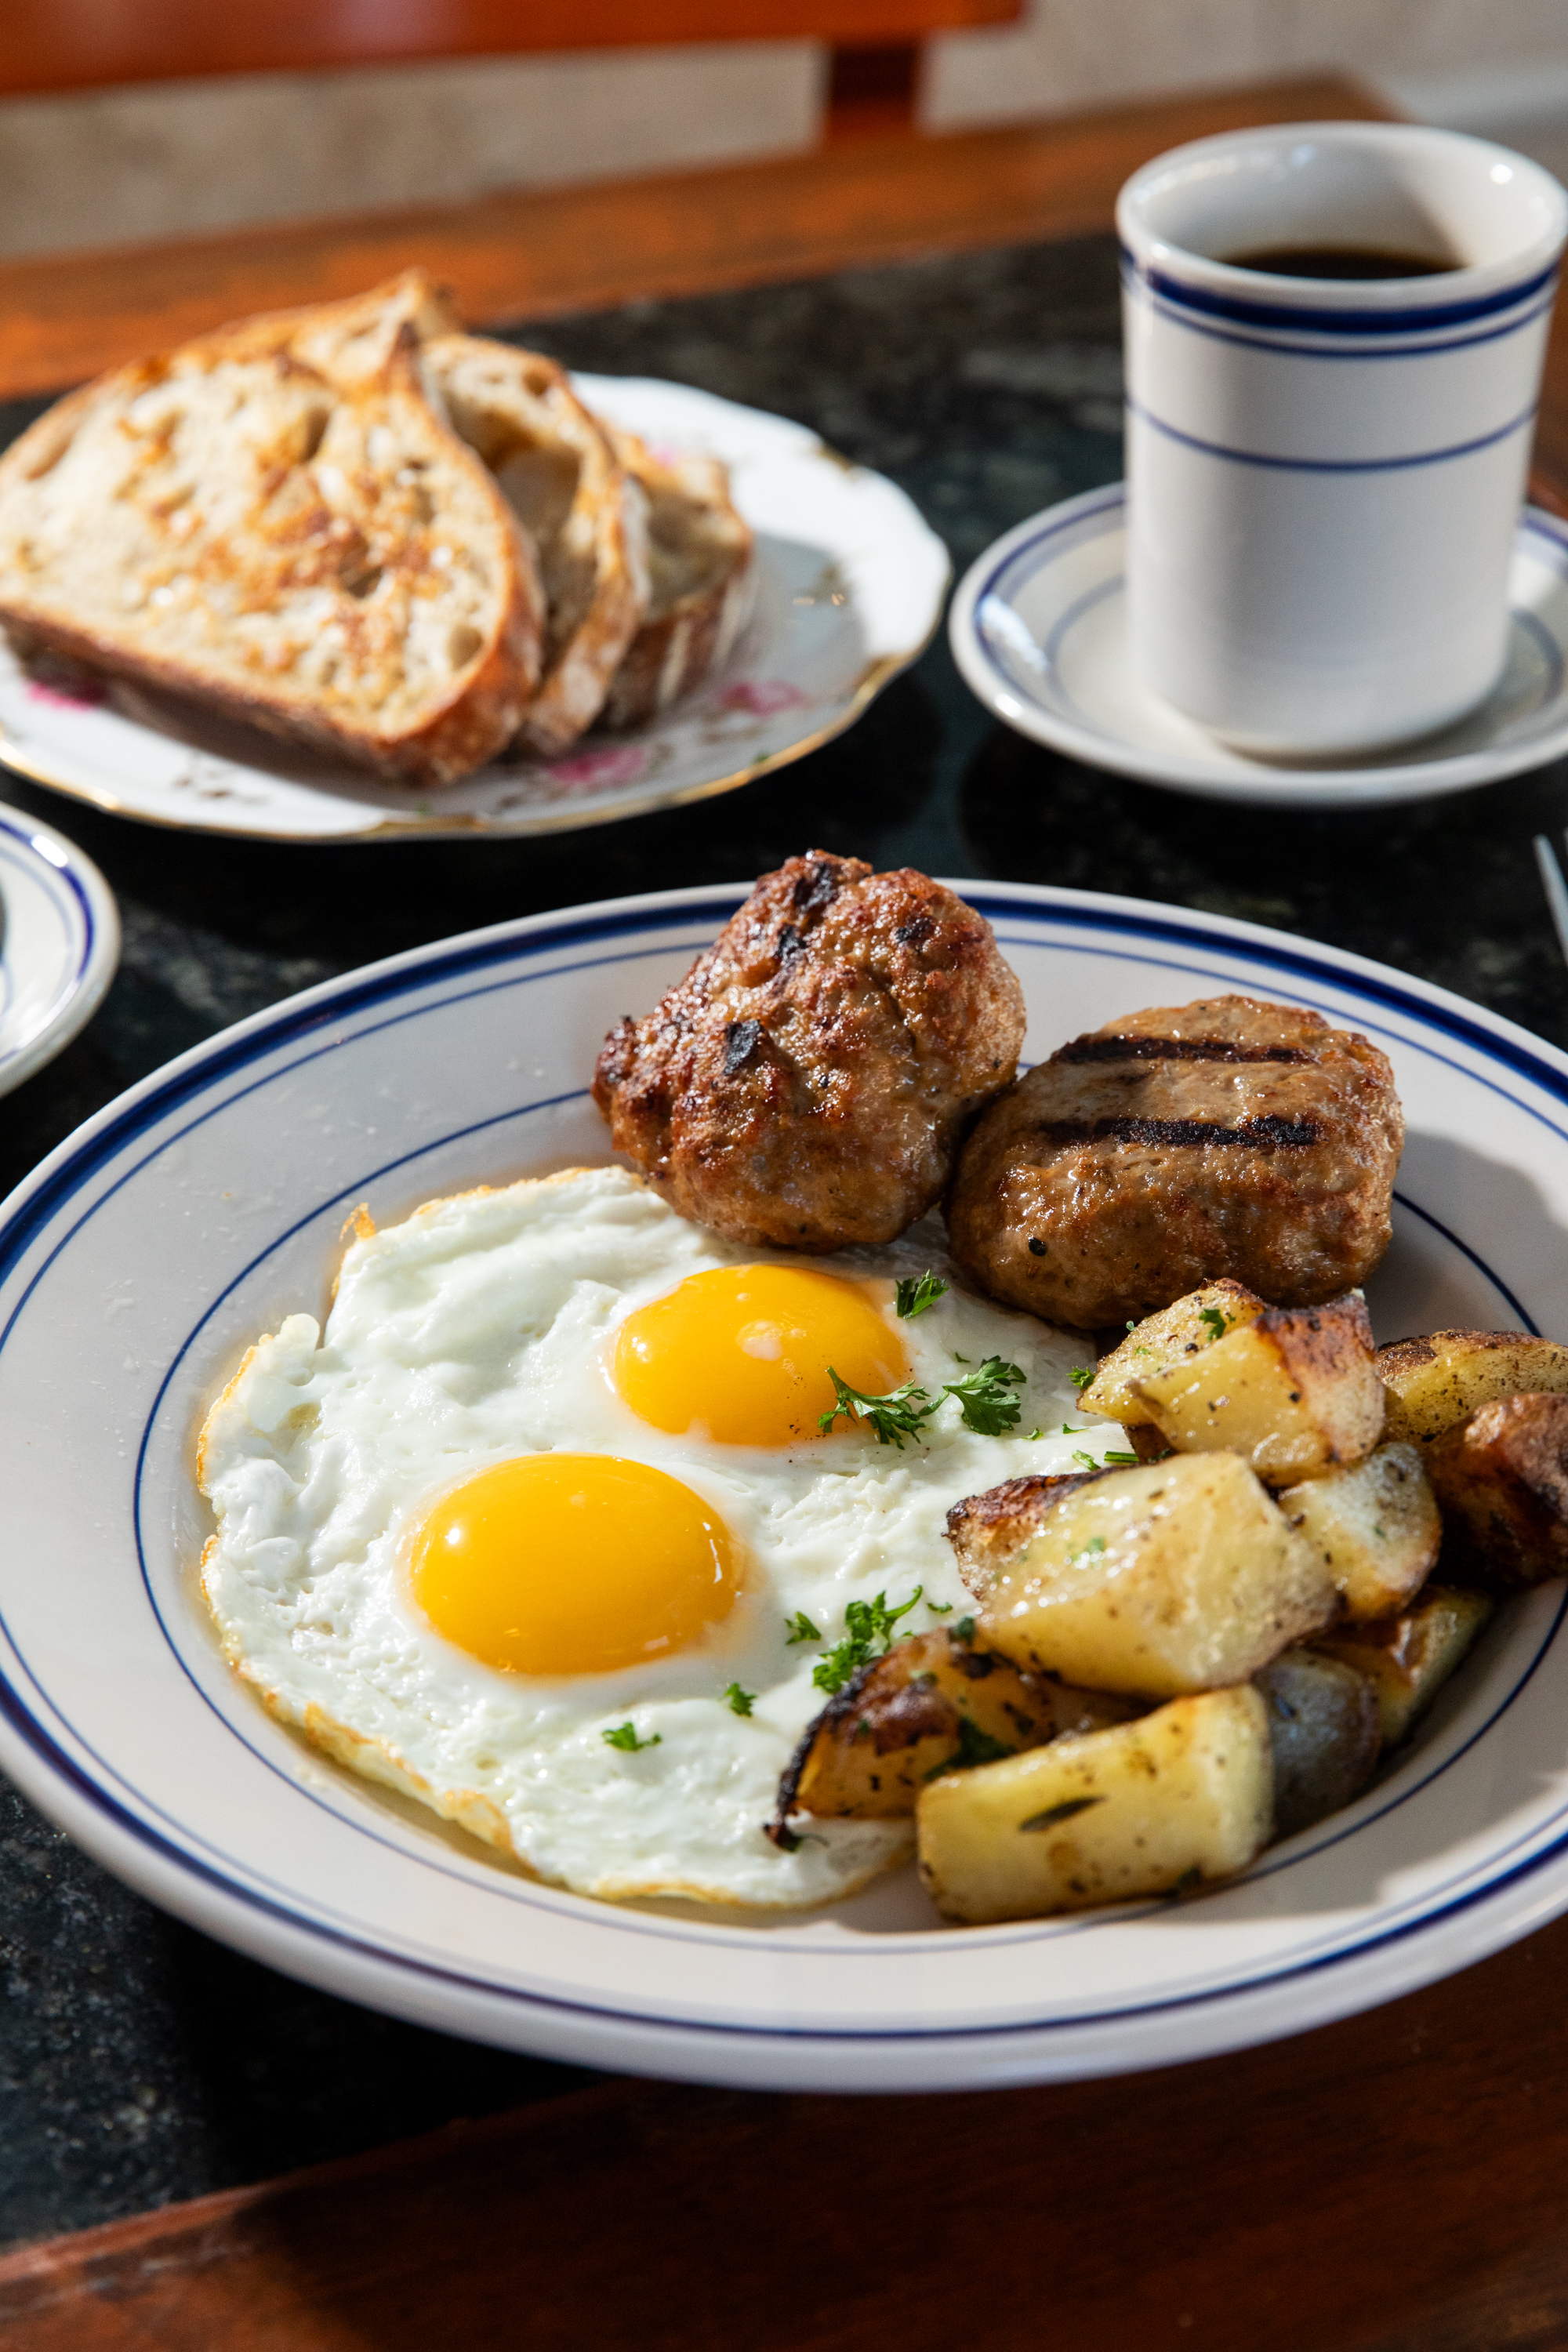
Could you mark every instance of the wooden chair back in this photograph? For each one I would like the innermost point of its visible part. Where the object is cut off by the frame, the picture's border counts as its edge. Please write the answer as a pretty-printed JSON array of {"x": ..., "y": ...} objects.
[{"x": 65, "y": 45}]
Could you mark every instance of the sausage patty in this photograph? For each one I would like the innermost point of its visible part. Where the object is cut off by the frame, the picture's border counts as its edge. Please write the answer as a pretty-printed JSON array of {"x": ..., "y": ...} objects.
[
  {"x": 1221, "y": 1138},
  {"x": 809, "y": 1083}
]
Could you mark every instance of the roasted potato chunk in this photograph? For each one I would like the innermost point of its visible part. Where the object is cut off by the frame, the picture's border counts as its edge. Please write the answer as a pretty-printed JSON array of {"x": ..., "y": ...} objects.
[
  {"x": 931, "y": 1705},
  {"x": 1501, "y": 1483},
  {"x": 1325, "y": 1727},
  {"x": 1181, "y": 1795},
  {"x": 1293, "y": 1392},
  {"x": 1376, "y": 1526},
  {"x": 1436, "y": 1381},
  {"x": 985, "y": 1530},
  {"x": 1162, "y": 1343},
  {"x": 1177, "y": 1576},
  {"x": 1408, "y": 1658}
]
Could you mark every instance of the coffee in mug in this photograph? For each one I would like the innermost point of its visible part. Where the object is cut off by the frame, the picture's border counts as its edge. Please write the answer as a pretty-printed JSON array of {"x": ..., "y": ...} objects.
[{"x": 1334, "y": 337}]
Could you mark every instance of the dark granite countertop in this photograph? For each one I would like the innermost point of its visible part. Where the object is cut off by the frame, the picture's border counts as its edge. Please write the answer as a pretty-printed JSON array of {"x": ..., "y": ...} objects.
[{"x": 138, "y": 2062}]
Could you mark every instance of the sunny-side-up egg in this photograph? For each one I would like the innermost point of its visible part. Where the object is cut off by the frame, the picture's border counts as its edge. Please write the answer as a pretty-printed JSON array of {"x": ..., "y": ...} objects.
[{"x": 537, "y": 1526}]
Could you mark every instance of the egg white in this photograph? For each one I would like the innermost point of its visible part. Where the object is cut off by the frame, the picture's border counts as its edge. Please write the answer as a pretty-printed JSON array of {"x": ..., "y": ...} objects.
[{"x": 479, "y": 1330}]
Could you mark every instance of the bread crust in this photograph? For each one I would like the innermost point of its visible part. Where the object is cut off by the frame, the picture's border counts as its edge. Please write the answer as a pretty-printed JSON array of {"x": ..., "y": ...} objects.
[
  {"x": 509, "y": 404},
  {"x": 697, "y": 535}
]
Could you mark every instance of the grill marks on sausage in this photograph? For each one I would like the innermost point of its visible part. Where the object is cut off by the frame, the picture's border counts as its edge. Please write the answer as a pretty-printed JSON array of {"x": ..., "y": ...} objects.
[
  {"x": 1174, "y": 1049},
  {"x": 1262, "y": 1134}
]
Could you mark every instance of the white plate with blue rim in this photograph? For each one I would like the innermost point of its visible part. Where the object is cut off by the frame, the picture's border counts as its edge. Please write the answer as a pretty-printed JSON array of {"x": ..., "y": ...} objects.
[
  {"x": 59, "y": 944},
  {"x": 139, "y": 1260},
  {"x": 1038, "y": 627}
]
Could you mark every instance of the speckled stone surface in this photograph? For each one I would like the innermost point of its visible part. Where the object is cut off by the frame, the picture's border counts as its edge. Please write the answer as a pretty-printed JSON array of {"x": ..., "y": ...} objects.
[{"x": 140, "y": 2061}]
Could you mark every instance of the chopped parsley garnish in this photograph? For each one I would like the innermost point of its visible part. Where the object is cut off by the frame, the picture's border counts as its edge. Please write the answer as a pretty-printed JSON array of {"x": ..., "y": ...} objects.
[
  {"x": 1096, "y": 1544},
  {"x": 1036, "y": 1433},
  {"x": 918, "y": 1292},
  {"x": 1083, "y": 1376},
  {"x": 868, "y": 1635},
  {"x": 741, "y": 1701},
  {"x": 975, "y": 1746},
  {"x": 1074, "y": 1429},
  {"x": 939, "y": 1607},
  {"x": 985, "y": 1396},
  {"x": 1213, "y": 1317},
  {"x": 1087, "y": 1459},
  {"x": 625, "y": 1735},
  {"x": 801, "y": 1629},
  {"x": 894, "y": 1417},
  {"x": 964, "y": 1630},
  {"x": 1062, "y": 1813}
]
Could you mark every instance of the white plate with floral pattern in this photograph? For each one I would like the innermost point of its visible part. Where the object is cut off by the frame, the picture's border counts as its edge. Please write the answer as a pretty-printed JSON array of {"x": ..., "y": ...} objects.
[
  {"x": 138, "y": 1262},
  {"x": 850, "y": 584}
]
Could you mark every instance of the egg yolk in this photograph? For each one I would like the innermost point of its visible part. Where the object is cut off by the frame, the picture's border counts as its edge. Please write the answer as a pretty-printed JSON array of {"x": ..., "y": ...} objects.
[
  {"x": 744, "y": 1353},
  {"x": 573, "y": 1564}
]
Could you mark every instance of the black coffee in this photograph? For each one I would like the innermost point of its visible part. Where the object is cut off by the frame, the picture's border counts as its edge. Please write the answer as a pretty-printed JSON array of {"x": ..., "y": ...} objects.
[{"x": 1339, "y": 261}]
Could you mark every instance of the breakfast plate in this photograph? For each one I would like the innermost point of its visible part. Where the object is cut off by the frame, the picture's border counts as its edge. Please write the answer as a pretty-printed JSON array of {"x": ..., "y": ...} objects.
[
  {"x": 1038, "y": 627},
  {"x": 850, "y": 584},
  {"x": 59, "y": 944},
  {"x": 139, "y": 1260}
]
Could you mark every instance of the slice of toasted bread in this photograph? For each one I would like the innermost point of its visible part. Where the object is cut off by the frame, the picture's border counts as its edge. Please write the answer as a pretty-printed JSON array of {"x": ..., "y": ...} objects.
[
  {"x": 586, "y": 518},
  {"x": 318, "y": 554},
  {"x": 702, "y": 573}
]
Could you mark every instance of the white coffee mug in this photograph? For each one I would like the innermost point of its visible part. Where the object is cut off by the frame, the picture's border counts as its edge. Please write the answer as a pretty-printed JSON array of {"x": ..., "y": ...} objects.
[{"x": 1324, "y": 473}]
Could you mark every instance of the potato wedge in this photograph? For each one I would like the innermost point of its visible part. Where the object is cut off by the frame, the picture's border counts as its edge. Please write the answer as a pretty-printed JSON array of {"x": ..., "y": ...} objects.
[
  {"x": 1438, "y": 1381},
  {"x": 931, "y": 1705},
  {"x": 1408, "y": 1658},
  {"x": 1376, "y": 1524},
  {"x": 1501, "y": 1483},
  {"x": 1177, "y": 1576},
  {"x": 1162, "y": 1343},
  {"x": 1183, "y": 1795},
  {"x": 1293, "y": 1392},
  {"x": 1325, "y": 1729}
]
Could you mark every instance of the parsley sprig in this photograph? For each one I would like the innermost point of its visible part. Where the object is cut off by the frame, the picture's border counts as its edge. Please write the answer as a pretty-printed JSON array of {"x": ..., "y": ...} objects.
[
  {"x": 916, "y": 1292},
  {"x": 625, "y": 1736},
  {"x": 975, "y": 1746},
  {"x": 984, "y": 1396},
  {"x": 741, "y": 1701},
  {"x": 868, "y": 1635},
  {"x": 893, "y": 1417},
  {"x": 1214, "y": 1319}
]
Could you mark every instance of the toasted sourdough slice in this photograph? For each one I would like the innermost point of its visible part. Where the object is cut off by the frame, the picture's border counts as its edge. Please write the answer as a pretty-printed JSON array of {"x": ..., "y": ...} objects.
[
  {"x": 702, "y": 575},
  {"x": 318, "y": 555},
  {"x": 585, "y": 516}
]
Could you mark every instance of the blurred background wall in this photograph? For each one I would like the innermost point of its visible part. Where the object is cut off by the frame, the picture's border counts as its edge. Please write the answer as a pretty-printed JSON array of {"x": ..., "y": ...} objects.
[{"x": 102, "y": 167}]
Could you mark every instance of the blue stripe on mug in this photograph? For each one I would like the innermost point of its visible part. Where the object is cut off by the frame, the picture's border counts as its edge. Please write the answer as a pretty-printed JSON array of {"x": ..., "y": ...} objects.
[
  {"x": 1334, "y": 322},
  {"x": 1331, "y": 465},
  {"x": 1265, "y": 341}
]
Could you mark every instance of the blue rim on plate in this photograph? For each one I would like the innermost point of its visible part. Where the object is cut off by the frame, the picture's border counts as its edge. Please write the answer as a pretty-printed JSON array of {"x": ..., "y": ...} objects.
[
  {"x": 1521, "y": 1879},
  {"x": 59, "y": 943},
  {"x": 1036, "y": 630}
]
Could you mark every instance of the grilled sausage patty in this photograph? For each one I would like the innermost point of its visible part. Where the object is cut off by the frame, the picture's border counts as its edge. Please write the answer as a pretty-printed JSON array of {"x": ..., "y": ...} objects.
[
  {"x": 807, "y": 1083},
  {"x": 1223, "y": 1138}
]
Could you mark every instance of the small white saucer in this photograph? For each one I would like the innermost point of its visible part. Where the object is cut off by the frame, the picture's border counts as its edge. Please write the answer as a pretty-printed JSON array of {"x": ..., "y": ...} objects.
[
  {"x": 1038, "y": 629},
  {"x": 59, "y": 944}
]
